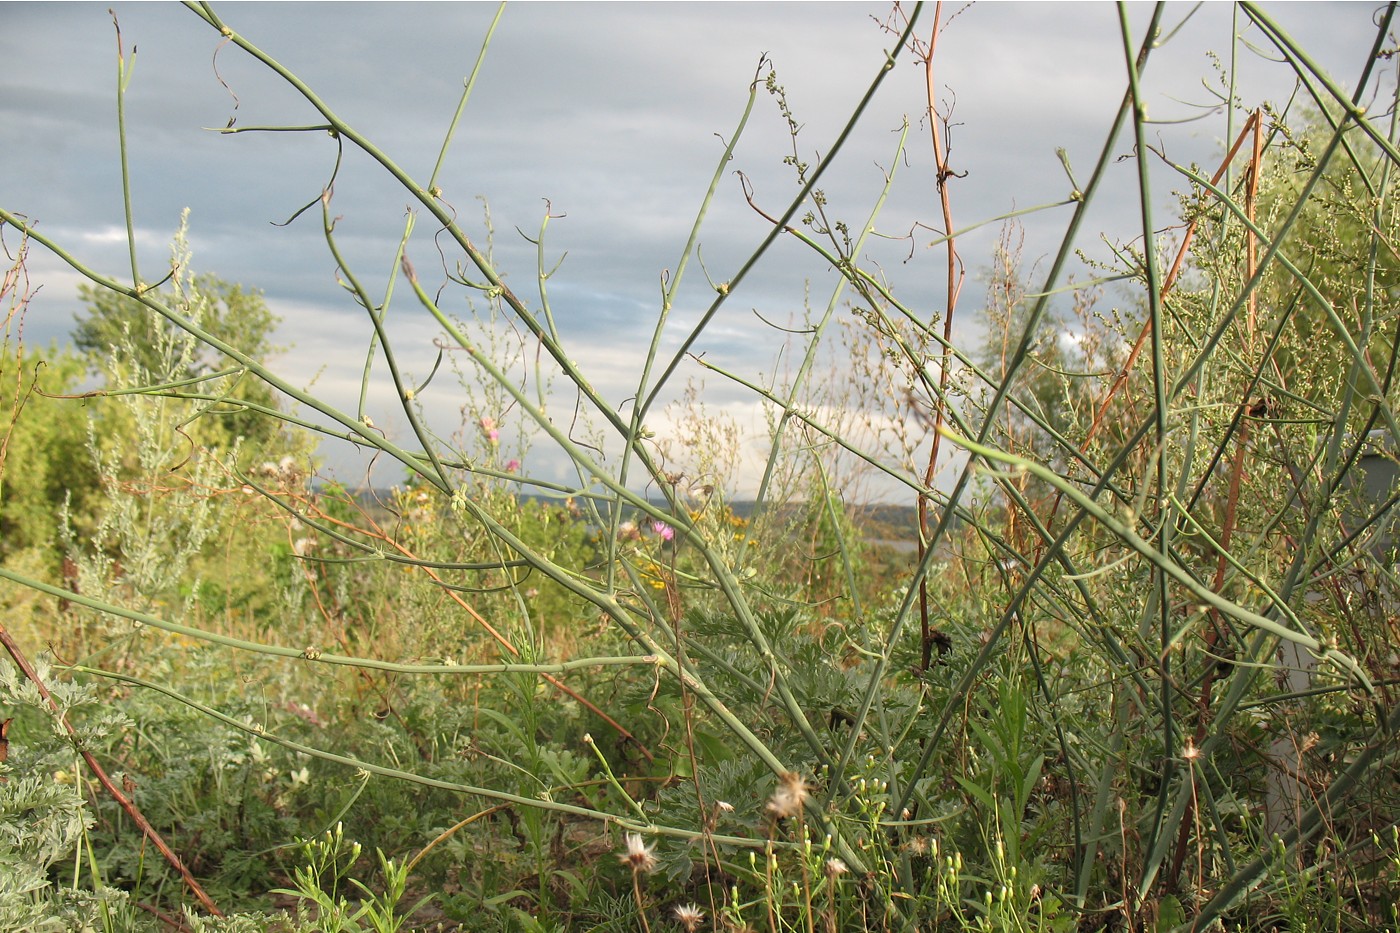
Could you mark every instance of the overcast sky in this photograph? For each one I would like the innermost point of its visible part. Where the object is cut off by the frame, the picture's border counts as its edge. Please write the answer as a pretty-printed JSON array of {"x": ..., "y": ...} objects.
[{"x": 613, "y": 115}]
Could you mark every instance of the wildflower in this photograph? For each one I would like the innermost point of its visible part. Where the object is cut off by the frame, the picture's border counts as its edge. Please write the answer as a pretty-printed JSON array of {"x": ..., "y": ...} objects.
[
  {"x": 690, "y": 916},
  {"x": 835, "y": 867},
  {"x": 640, "y": 857},
  {"x": 512, "y": 466},
  {"x": 488, "y": 427},
  {"x": 791, "y": 794},
  {"x": 665, "y": 531}
]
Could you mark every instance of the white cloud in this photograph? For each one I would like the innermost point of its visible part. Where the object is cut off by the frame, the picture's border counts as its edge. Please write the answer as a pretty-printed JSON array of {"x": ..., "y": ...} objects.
[{"x": 612, "y": 112}]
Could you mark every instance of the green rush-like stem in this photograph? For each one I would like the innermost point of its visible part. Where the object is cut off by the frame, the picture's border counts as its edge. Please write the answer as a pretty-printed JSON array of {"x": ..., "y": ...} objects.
[
  {"x": 612, "y": 778},
  {"x": 124, "y": 75},
  {"x": 358, "y": 432},
  {"x": 538, "y": 803},
  {"x": 869, "y": 285},
  {"x": 467, "y": 87},
  {"x": 403, "y": 392},
  {"x": 636, "y": 427},
  {"x": 1304, "y": 65},
  {"x": 435, "y": 206},
  {"x": 999, "y": 218},
  {"x": 311, "y": 654},
  {"x": 725, "y": 579},
  {"x": 1274, "y": 253},
  {"x": 1201, "y": 531},
  {"x": 1160, "y": 405},
  {"x": 799, "y": 379},
  {"x": 378, "y": 315},
  {"x": 1130, "y": 537},
  {"x": 235, "y": 130},
  {"x": 792, "y": 209},
  {"x": 1316, "y": 818}
]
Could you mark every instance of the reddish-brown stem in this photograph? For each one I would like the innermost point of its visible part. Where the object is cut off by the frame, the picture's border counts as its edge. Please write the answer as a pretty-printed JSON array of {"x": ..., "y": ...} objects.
[
  {"x": 1252, "y": 124},
  {"x": 1213, "y": 635},
  {"x": 22, "y": 662},
  {"x": 954, "y": 285},
  {"x": 501, "y": 639}
]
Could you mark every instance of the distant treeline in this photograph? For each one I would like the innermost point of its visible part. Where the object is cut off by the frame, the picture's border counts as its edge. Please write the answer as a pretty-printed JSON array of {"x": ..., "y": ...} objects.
[{"x": 877, "y": 522}]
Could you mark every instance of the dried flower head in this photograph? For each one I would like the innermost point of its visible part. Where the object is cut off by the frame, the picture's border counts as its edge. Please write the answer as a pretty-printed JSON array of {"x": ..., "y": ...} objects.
[
  {"x": 690, "y": 916},
  {"x": 835, "y": 867},
  {"x": 789, "y": 797},
  {"x": 639, "y": 856}
]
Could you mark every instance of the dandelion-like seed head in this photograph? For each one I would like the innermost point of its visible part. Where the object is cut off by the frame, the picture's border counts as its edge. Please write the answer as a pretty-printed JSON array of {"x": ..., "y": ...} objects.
[
  {"x": 836, "y": 867},
  {"x": 690, "y": 916},
  {"x": 789, "y": 797},
  {"x": 639, "y": 856}
]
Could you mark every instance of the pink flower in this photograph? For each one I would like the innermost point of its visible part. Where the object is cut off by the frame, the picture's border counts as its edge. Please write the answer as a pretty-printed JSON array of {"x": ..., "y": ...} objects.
[
  {"x": 512, "y": 466},
  {"x": 666, "y": 532}
]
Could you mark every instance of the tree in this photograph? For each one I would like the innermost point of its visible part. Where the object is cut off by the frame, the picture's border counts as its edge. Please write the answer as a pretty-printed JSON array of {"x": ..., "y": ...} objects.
[
  {"x": 131, "y": 346},
  {"x": 228, "y": 311},
  {"x": 45, "y": 464}
]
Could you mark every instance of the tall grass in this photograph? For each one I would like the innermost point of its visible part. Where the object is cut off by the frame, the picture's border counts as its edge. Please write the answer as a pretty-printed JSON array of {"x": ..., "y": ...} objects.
[{"x": 1141, "y": 666}]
